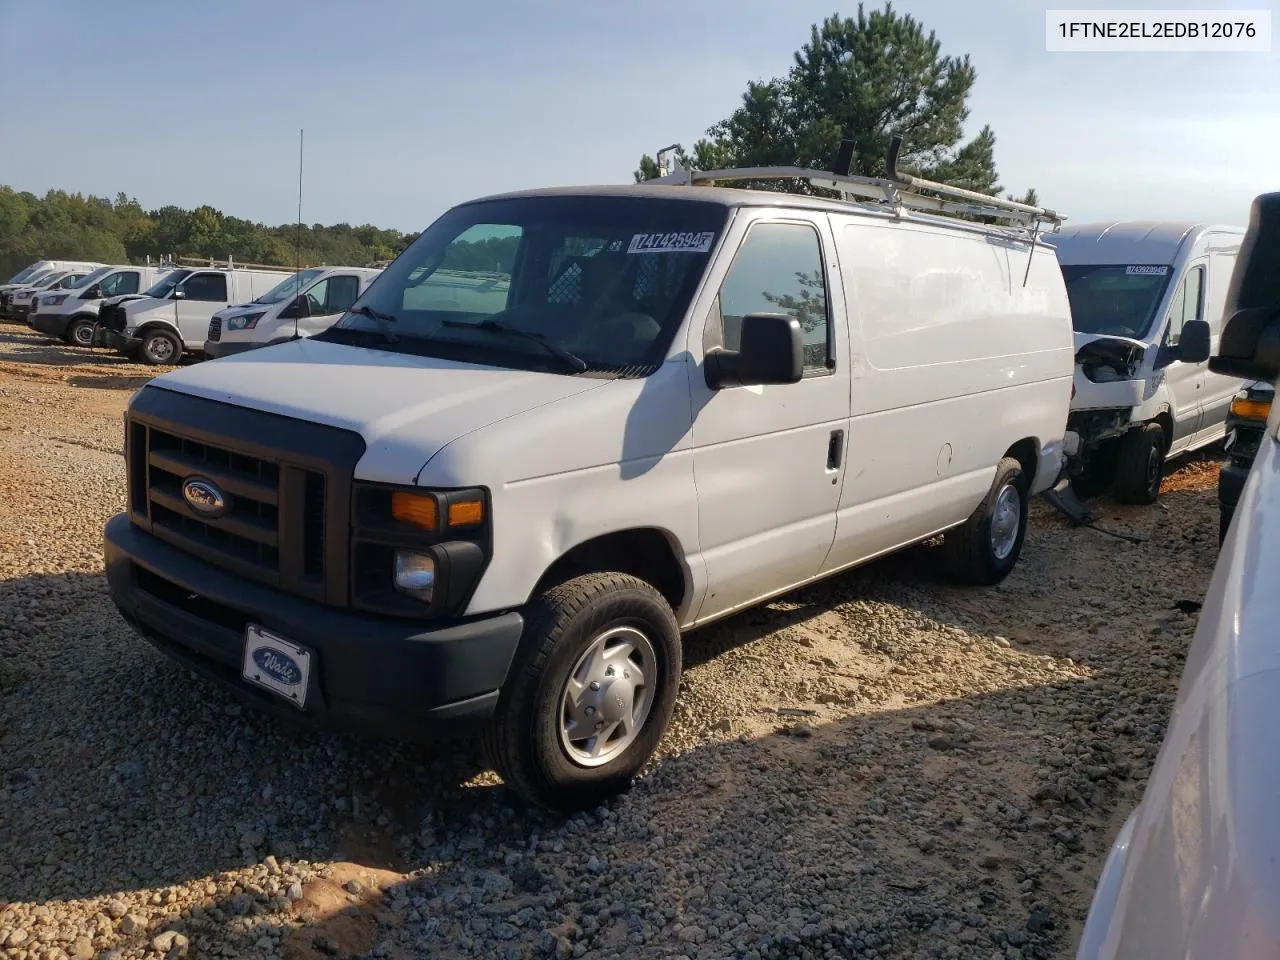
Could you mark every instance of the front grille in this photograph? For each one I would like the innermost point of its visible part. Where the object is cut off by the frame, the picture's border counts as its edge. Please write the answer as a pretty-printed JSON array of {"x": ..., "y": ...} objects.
[
  {"x": 215, "y": 329},
  {"x": 111, "y": 316},
  {"x": 285, "y": 483}
]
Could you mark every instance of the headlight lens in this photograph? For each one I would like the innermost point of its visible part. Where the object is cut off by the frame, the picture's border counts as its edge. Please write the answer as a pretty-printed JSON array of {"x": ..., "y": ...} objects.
[
  {"x": 56, "y": 301},
  {"x": 1246, "y": 409},
  {"x": 246, "y": 322},
  {"x": 415, "y": 574}
]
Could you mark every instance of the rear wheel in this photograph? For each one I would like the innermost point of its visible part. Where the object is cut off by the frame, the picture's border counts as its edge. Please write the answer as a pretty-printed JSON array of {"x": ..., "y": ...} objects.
[
  {"x": 160, "y": 347},
  {"x": 80, "y": 333},
  {"x": 1140, "y": 465},
  {"x": 590, "y": 693},
  {"x": 985, "y": 549}
]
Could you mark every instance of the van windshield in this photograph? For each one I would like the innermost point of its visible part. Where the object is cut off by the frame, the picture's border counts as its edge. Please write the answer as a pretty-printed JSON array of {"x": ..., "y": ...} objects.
[
  {"x": 514, "y": 282},
  {"x": 1115, "y": 299},
  {"x": 290, "y": 288},
  {"x": 90, "y": 278},
  {"x": 24, "y": 274},
  {"x": 167, "y": 283}
]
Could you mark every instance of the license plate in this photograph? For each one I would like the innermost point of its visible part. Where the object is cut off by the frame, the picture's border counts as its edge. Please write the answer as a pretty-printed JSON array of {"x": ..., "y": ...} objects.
[{"x": 276, "y": 664}]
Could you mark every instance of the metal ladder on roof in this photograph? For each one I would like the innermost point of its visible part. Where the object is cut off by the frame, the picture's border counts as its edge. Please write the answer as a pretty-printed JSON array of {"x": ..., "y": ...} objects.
[{"x": 896, "y": 190}]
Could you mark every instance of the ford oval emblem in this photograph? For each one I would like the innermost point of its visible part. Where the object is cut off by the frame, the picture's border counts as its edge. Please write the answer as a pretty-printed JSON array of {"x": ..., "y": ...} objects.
[
  {"x": 278, "y": 666},
  {"x": 204, "y": 497}
]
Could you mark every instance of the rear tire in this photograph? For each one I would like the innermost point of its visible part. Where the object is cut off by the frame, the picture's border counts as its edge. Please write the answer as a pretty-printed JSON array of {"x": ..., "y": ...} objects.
[
  {"x": 160, "y": 347},
  {"x": 580, "y": 715},
  {"x": 80, "y": 333},
  {"x": 1140, "y": 465},
  {"x": 985, "y": 549}
]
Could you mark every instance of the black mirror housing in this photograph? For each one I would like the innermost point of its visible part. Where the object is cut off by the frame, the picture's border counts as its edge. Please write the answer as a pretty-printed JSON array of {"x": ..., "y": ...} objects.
[
  {"x": 179, "y": 294},
  {"x": 771, "y": 350},
  {"x": 1250, "y": 344},
  {"x": 1194, "y": 344}
]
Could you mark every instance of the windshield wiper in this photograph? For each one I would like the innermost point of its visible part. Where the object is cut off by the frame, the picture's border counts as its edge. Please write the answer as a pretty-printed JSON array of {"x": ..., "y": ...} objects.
[
  {"x": 384, "y": 320},
  {"x": 571, "y": 360}
]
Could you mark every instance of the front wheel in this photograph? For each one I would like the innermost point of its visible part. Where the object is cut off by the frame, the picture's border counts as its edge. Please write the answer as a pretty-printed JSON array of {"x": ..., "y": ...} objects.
[
  {"x": 985, "y": 549},
  {"x": 80, "y": 333},
  {"x": 1140, "y": 465},
  {"x": 160, "y": 347},
  {"x": 590, "y": 693}
]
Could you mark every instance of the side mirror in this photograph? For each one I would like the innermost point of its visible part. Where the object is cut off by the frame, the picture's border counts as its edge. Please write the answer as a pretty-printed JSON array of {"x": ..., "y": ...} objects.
[
  {"x": 1193, "y": 345},
  {"x": 300, "y": 307},
  {"x": 179, "y": 294},
  {"x": 1250, "y": 344},
  {"x": 771, "y": 350}
]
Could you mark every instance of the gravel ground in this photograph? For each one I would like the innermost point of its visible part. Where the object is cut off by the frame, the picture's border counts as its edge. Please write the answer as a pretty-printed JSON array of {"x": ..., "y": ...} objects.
[{"x": 883, "y": 765}]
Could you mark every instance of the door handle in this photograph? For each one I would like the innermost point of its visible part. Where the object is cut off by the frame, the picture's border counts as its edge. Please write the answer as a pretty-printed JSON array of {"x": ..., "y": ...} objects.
[{"x": 835, "y": 450}]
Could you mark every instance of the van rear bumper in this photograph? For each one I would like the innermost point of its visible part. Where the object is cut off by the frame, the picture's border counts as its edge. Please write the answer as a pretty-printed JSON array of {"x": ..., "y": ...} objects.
[{"x": 384, "y": 676}]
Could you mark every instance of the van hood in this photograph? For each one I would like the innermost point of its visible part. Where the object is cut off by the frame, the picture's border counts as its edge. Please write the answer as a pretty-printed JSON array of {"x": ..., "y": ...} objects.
[{"x": 407, "y": 408}]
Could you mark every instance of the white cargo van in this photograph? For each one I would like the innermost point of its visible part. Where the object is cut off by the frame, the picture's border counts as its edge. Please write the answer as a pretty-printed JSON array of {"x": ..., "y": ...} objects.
[
  {"x": 174, "y": 315},
  {"x": 1143, "y": 389},
  {"x": 34, "y": 276},
  {"x": 70, "y": 314},
  {"x": 565, "y": 426},
  {"x": 21, "y": 298},
  {"x": 302, "y": 306}
]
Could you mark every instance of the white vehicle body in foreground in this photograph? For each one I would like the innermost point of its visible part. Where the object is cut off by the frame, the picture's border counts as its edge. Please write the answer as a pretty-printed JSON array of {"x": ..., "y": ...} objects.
[
  {"x": 174, "y": 316},
  {"x": 1195, "y": 871},
  {"x": 675, "y": 401},
  {"x": 301, "y": 306},
  {"x": 70, "y": 314},
  {"x": 1133, "y": 286}
]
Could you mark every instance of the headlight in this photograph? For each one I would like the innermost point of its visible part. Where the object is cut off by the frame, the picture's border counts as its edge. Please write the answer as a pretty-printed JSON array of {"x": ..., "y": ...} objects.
[
  {"x": 415, "y": 574},
  {"x": 55, "y": 301},
  {"x": 1246, "y": 409},
  {"x": 246, "y": 322}
]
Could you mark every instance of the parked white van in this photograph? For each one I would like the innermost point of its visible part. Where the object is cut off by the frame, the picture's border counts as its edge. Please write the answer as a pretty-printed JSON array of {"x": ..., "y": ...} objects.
[
  {"x": 35, "y": 276},
  {"x": 21, "y": 298},
  {"x": 565, "y": 426},
  {"x": 1193, "y": 870},
  {"x": 174, "y": 315},
  {"x": 32, "y": 272},
  {"x": 70, "y": 314},
  {"x": 1143, "y": 390},
  {"x": 302, "y": 306}
]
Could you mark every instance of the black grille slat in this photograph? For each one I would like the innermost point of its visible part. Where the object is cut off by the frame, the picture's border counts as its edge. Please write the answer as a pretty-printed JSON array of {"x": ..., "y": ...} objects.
[
  {"x": 215, "y": 329},
  {"x": 313, "y": 532},
  {"x": 215, "y": 538},
  {"x": 236, "y": 478}
]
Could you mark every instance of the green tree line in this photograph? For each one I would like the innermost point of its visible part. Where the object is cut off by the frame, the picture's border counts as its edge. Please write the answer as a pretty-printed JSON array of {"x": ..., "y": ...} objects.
[{"x": 70, "y": 226}]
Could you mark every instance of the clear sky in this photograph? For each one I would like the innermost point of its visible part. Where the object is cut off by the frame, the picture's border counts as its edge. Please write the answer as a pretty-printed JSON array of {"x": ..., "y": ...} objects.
[{"x": 409, "y": 107}]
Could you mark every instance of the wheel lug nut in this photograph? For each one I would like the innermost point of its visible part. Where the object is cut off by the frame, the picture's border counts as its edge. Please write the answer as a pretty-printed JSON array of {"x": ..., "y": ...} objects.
[
  {"x": 595, "y": 684},
  {"x": 626, "y": 674},
  {"x": 591, "y": 711},
  {"x": 609, "y": 672}
]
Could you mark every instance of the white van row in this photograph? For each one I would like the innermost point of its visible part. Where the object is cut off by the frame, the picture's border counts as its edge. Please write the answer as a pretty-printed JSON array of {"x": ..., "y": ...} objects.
[{"x": 16, "y": 295}]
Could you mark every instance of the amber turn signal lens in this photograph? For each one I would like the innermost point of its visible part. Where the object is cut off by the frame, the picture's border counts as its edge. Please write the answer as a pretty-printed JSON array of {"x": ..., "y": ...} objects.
[
  {"x": 1250, "y": 409},
  {"x": 416, "y": 508},
  {"x": 465, "y": 513}
]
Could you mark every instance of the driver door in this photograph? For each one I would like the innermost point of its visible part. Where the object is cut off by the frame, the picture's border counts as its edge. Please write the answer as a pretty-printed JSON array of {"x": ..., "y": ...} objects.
[{"x": 203, "y": 294}]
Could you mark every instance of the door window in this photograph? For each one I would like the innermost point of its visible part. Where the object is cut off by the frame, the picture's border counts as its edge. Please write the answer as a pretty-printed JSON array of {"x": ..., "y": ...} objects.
[
  {"x": 127, "y": 281},
  {"x": 333, "y": 294},
  {"x": 778, "y": 269},
  {"x": 209, "y": 287},
  {"x": 1188, "y": 304}
]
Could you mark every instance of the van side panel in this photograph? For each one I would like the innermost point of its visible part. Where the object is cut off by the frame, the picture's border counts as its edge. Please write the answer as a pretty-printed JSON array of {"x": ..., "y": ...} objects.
[{"x": 954, "y": 361}]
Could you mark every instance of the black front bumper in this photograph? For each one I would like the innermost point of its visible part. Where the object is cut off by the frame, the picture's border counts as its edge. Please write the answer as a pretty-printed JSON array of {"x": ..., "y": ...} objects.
[
  {"x": 104, "y": 337},
  {"x": 1231, "y": 478},
  {"x": 378, "y": 675},
  {"x": 53, "y": 324},
  {"x": 213, "y": 349}
]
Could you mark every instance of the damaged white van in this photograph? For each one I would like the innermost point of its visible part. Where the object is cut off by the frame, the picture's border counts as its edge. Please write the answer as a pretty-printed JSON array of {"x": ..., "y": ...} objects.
[
  {"x": 567, "y": 425},
  {"x": 1146, "y": 302}
]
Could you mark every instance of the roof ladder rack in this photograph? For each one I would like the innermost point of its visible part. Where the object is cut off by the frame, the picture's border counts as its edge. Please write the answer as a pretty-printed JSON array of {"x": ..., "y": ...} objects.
[{"x": 896, "y": 190}]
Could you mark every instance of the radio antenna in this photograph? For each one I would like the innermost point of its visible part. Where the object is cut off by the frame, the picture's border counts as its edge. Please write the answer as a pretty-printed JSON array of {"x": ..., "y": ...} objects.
[{"x": 298, "y": 243}]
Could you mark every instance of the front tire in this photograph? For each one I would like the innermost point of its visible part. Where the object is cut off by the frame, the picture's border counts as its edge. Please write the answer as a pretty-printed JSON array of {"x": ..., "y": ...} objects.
[
  {"x": 590, "y": 693},
  {"x": 1140, "y": 465},
  {"x": 80, "y": 333},
  {"x": 160, "y": 347},
  {"x": 985, "y": 549}
]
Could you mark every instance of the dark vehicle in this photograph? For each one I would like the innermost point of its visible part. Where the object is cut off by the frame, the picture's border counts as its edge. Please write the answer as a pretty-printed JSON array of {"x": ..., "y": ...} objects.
[{"x": 1246, "y": 424}]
